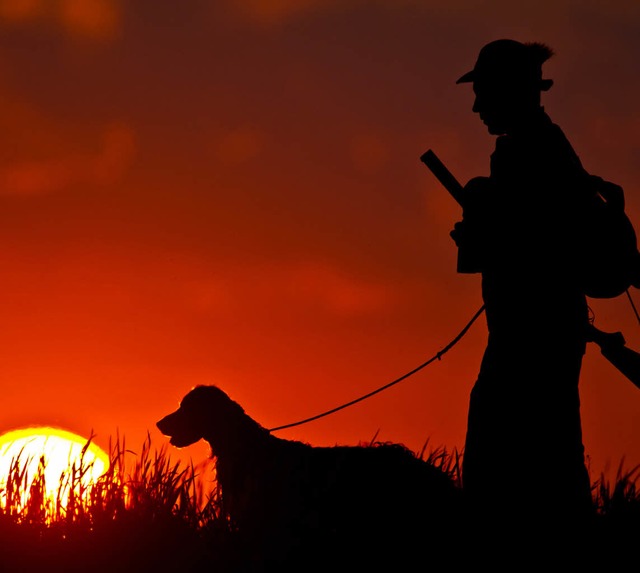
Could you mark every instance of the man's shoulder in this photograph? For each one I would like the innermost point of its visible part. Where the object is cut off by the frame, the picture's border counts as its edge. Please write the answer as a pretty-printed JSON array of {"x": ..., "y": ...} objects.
[
  {"x": 546, "y": 143},
  {"x": 550, "y": 130},
  {"x": 559, "y": 146}
]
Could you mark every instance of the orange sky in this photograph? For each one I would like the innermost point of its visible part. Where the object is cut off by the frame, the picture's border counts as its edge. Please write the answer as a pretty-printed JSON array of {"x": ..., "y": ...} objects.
[{"x": 230, "y": 192}]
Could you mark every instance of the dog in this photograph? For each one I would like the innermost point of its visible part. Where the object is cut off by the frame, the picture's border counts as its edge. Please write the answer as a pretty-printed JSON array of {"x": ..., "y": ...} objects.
[{"x": 291, "y": 501}]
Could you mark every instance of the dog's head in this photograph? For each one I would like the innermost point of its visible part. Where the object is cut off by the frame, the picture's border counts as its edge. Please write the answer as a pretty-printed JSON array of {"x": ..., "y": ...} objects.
[{"x": 205, "y": 412}]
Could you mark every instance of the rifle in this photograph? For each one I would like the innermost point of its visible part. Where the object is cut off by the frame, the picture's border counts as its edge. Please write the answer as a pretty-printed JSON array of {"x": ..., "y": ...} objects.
[
  {"x": 612, "y": 344},
  {"x": 467, "y": 258},
  {"x": 439, "y": 169},
  {"x": 613, "y": 348}
]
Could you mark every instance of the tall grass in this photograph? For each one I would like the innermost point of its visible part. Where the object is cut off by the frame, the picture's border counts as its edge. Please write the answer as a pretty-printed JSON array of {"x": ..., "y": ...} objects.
[
  {"x": 141, "y": 511},
  {"x": 148, "y": 482},
  {"x": 150, "y": 513}
]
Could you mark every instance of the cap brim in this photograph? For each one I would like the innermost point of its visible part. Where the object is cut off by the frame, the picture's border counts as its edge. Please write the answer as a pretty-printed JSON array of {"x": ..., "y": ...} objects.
[
  {"x": 544, "y": 85},
  {"x": 468, "y": 77}
]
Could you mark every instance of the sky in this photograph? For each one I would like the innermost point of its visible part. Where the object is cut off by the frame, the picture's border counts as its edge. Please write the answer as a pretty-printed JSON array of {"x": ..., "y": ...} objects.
[{"x": 229, "y": 192}]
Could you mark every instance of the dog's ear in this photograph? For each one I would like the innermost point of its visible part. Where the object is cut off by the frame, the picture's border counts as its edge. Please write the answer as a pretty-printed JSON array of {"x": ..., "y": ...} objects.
[
  {"x": 205, "y": 407},
  {"x": 185, "y": 425},
  {"x": 213, "y": 412}
]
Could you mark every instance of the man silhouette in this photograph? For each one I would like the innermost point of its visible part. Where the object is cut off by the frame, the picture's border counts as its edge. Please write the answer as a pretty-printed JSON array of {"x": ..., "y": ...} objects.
[{"x": 524, "y": 459}]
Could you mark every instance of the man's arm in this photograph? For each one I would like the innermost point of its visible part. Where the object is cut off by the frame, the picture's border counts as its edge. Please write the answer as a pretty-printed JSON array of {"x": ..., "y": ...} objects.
[{"x": 465, "y": 196}]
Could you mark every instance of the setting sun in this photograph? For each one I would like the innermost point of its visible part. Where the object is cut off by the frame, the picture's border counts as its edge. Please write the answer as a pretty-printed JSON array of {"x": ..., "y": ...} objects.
[{"x": 65, "y": 460}]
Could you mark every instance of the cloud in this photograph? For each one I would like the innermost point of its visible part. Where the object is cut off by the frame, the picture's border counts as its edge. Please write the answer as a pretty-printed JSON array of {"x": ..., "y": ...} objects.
[
  {"x": 238, "y": 145},
  {"x": 496, "y": 13},
  {"x": 116, "y": 155},
  {"x": 369, "y": 153},
  {"x": 276, "y": 11},
  {"x": 55, "y": 174},
  {"x": 311, "y": 285},
  {"x": 98, "y": 19},
  {"x": 280, "y": 11},
  {"x": 93, "y": 19},
  {"x": 18, "y": 11},
  {"x": 337, "y": 291}
]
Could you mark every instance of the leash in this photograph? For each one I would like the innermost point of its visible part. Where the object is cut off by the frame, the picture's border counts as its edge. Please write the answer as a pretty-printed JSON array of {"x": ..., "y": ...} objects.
[
  {"x": 633, "y": 306},
  {"x": 436, "y": 356}
]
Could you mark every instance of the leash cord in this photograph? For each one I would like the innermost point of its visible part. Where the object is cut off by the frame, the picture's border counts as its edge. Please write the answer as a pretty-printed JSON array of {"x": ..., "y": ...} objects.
[
  {"x": 437, "y": 356},
  {"x": 633, "y": 306}
]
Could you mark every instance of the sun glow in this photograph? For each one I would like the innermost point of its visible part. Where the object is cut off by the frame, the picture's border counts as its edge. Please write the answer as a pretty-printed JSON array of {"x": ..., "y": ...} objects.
[{"x": 56, "y": 459}]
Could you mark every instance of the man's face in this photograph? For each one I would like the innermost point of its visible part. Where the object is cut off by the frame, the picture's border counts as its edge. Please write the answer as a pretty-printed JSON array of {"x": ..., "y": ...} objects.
[
  {"x": 494, "y": 104},
  {"x": 501, "y": 104}
]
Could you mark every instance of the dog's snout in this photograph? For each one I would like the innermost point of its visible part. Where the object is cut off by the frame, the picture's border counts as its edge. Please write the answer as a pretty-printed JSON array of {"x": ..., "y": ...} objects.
[
  {"x": 181, "y": 430},
  {"x": 164, "y": 424}
]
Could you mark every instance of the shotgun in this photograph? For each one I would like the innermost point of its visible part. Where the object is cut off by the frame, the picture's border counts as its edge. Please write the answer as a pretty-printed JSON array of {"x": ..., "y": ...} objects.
[
  {"x": 439, "y": 169},
  {"x": 612, "y": 344},
  {"x": 613, "y": 348},
  {"x": 467, "y": 258}
]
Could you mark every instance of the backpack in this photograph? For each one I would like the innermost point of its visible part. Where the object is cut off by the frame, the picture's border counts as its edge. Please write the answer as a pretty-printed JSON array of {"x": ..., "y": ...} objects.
[{"x": 611, "y": 262}]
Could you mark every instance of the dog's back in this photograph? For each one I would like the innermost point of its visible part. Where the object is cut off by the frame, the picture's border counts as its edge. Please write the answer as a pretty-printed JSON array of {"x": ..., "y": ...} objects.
[
  {"x": 379, "y": 484},
  {"x": 354, "y": 492},
  {"x": 292, "y": 500}
]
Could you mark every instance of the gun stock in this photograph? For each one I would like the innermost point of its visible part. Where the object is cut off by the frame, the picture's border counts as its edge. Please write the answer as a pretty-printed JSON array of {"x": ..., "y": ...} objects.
[{"x": 613, "y": 348}]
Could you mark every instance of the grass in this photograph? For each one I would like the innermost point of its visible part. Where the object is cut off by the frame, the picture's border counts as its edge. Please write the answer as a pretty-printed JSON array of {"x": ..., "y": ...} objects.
[
  {"x": 149, "y": 513},
  {"x": 142, "y": 512}
]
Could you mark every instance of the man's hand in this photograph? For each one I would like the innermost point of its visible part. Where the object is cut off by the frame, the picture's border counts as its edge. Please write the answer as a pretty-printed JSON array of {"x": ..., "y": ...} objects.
[
  {"x": 457, "y": 234},
  {"x": 475, "y": 189},
  {"x": 472, "y": 195}
]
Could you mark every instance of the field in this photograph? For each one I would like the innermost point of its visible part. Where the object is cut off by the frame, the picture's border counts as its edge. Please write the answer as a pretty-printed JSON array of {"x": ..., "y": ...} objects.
[{"x": 148, "y": 513}]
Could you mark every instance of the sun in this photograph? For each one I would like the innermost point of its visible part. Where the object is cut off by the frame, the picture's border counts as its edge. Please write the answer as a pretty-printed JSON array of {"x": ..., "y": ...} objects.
[{"x": 65, "y": 460}]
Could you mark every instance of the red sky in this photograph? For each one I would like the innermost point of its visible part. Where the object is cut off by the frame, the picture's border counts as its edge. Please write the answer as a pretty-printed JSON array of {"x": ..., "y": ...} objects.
[{"x": 230, "y": 192}]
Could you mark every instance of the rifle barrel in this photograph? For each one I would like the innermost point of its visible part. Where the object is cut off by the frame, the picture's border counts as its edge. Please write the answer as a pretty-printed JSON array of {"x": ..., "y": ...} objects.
[{"x": 446, "y": 178}]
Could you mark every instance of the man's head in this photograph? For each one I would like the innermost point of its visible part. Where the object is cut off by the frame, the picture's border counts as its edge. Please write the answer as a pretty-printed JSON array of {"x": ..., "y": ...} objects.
[{"x": 507, "y": 81}]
